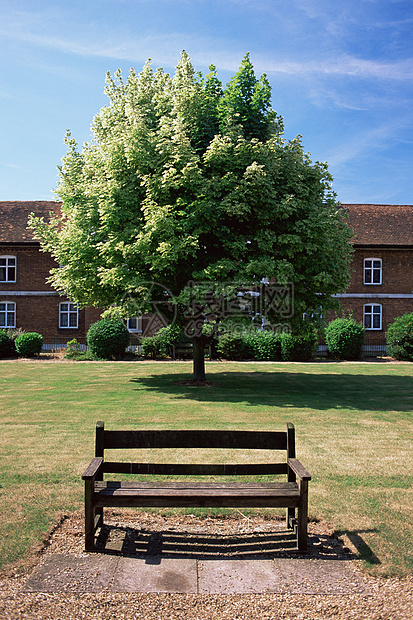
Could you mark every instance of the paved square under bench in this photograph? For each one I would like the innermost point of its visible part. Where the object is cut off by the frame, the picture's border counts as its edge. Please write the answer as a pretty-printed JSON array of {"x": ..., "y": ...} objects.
[{"x": 96, "y": 572}]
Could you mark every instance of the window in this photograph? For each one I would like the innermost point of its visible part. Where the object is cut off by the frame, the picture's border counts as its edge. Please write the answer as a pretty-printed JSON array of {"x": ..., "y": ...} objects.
[
  {"x": 7, "y": 269},
  {"x": 372, "y": 271},
  {"x": 313, "y": 314},
  {"x": 135, "y": 324},
  {"x": 68, "y": 315},
  {"x": 372, "y": 316},
  {"x": 7, "y": 314}
]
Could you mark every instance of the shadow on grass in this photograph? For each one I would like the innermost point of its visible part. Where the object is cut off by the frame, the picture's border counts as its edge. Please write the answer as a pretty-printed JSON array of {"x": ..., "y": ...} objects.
[
  {"x": 286, "y": 389},
  {"x": 364, "y": 551}
]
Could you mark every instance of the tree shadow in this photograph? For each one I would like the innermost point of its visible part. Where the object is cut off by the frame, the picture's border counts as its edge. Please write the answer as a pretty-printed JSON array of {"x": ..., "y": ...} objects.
[{"x": 322, "y": 391}]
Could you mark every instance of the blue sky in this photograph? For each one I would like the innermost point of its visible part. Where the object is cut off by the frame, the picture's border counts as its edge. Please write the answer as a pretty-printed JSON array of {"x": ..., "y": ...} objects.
[{"x": 341, "y": 76}]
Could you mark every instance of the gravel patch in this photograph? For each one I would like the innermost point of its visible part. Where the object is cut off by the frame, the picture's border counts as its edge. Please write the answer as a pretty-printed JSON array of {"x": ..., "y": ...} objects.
[{"x": 222, "y": 538}]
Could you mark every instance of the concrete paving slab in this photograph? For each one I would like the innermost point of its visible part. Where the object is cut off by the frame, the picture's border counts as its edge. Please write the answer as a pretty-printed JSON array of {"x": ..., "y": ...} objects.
[
  {"x": 72, "y": 573},
  {"x": 315, "y": 576},
  {"x": 238, "y": 576},
  {"x": 163, "y": 575},
  {"x": 96, "y": 572}
]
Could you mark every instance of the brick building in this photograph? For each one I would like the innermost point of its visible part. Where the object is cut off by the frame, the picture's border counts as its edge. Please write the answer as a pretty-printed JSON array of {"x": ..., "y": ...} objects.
[
  {"x": 26, "y": 299},
  {"x": 381, "y": 286}
]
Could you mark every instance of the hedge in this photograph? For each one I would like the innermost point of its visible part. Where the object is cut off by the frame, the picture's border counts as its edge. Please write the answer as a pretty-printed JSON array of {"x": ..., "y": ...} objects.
[
  {"x": 108, "y": 338},
  {"x": 399, "y": 338},
  {"x": 344, "y": 338},
  {"x": 29, "y": 344}
]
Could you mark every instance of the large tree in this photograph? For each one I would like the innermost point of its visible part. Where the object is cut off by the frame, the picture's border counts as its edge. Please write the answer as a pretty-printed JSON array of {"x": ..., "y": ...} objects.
[{"x": 188, "y": 194}]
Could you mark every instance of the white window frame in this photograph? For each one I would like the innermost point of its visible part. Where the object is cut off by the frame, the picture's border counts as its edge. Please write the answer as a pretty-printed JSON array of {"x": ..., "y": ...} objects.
[
  {"x": 7, "y": 259},
  {"x": 371, "y": 315},
  {"x": 136, "y": 322},
  {"x": 372, "y": 269},
  {"x": 68, "y": 309},
  {"x": 313, "y": 314},
  {"x": 8, "y": 308}
]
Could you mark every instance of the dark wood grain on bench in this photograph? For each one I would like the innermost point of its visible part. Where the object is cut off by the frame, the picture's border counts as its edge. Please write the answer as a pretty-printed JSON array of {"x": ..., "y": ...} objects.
[{"x": 291, "y": 494}]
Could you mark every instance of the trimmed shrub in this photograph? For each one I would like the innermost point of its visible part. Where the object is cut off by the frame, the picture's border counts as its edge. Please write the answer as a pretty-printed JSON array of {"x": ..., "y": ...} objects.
[
  {"x": 108, "y": 338},
  {"x": 162, "y": 343},
  {"x": 344, "y": 338},
  {"x": 7, "y": 348},
  {"x": 29, "y": 344},
  {"x": 399, "y": 338},
  {"x": 151, "y": 347},
  {"x": 300, "y": 347},
  {"x": 265, "y": 345},
  {"x": 234, "y": 347}
]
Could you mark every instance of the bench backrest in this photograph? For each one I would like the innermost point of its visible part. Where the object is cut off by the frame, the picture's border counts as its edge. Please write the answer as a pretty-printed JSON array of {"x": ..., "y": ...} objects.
[{"x": 196, "y": 439}]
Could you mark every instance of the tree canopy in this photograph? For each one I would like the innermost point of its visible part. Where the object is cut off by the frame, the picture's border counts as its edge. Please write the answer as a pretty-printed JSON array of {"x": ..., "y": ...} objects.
[{"x": 185, "y": 181}]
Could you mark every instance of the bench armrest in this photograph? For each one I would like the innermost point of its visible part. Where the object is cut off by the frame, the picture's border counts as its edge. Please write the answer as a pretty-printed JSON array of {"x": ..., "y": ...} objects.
[
  {"x": 93, "y": 469},
  {"x": 298, "y": 469}
]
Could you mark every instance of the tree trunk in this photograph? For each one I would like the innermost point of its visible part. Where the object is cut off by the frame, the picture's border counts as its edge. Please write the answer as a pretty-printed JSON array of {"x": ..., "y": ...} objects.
[{"x": 199, "y": 358}]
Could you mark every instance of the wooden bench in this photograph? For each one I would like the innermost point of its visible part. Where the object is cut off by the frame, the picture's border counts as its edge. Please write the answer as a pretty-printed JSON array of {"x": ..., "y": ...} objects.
[
  {"x": 184, "y": 350},
  {"x": 291, "y": 494}
]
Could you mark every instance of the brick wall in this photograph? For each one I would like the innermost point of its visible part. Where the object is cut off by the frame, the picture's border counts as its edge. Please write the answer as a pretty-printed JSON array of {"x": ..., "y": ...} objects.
[
  {"x": 391, "y": 309},
  {"x": 397, "y": 271},
  {"x": 396, "y": 280},
  {"x": 36, "y": 302},
  {"x": 32, "y": 269},
  {"x": 40, "y": 314}
]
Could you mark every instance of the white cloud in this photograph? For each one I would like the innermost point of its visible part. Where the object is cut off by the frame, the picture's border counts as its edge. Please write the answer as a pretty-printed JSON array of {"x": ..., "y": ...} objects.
[
  {"x": 366, "y": 143},
  {"x": 206, "y": 50},
  {"x": 7, "y": 165},
  {"x": 56, "y": 27},
  {"x": 117, "y": 44},
  {"x": 346, "y": 65}
]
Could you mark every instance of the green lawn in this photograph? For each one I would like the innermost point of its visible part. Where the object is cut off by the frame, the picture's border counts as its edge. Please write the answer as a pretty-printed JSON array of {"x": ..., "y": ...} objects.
[{"x": 353, "y": 423}]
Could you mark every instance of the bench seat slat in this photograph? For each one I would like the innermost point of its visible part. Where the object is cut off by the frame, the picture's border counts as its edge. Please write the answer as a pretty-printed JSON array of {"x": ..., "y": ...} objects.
[
  {"x": 195, "y": 494},
  {"x": 178, "y": 485},
  {"x": 196, "y": 469}
]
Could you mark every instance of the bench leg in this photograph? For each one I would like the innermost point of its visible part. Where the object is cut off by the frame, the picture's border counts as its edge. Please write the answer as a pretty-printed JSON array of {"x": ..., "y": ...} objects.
[
  {"x": 89, "y": 517},
  {"x": 98, "y": 517},
  {"x": 302, "y": 517},
  {"x": 289, "y": 518}
]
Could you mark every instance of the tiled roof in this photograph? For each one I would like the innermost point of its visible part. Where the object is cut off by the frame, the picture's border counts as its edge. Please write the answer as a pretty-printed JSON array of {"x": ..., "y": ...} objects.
[
  {"x": 14, "y": 216},
  {"x": 389, "y": 225}
]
